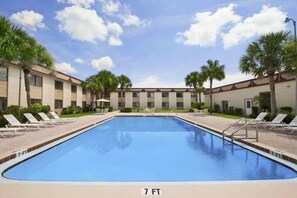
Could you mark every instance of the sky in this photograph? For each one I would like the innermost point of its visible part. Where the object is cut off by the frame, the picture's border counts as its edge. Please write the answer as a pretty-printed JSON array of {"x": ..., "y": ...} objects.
[{"x": 156, "y": 43}]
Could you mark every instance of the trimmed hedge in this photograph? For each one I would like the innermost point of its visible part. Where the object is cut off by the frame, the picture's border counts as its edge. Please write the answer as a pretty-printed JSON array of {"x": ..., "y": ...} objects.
[{"x": 126, "y": 110}]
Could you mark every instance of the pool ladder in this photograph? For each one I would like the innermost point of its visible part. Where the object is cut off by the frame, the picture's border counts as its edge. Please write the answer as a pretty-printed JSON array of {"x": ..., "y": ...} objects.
[{"x": 245, "y": 126}]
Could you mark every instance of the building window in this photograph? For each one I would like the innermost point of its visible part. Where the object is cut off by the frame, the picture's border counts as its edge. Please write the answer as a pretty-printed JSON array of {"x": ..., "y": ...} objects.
[
  {"x": 84, "y": 91},
  {"x": 135, "y": 94},
  {"x": 84, "y": 104},
  {"x": 136, "y": 105},
  {"x": 193, "y": 95},
  {"x": 119, "y": 94},
  {"x": 58, "y": 85},
  {"x": 58, "y": 104},
  {"x": 179, "y": 94},
  {"x": 3, "y": 73},
  {"x": 73, "y": 88},
  {"x": 121, "y": 104},
  {"x": 33, "y": 101},
  {"x": 36, "y": 81},
  {"x": 165, "y": 105},
  {"x": 3, "y": 103},
  {"x": 150, "y": 105},
  {"x": 150, "y": 94},
  {"x": 180, "y": 105},
  {"x": 165, "y": 94},
  {"x": 73, "y": 103},
  {"x": 224, "y": 105}
]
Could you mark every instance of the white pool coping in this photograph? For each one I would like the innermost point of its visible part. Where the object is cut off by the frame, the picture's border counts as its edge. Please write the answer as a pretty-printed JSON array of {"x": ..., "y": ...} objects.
[{"x": 286, "y": 188}]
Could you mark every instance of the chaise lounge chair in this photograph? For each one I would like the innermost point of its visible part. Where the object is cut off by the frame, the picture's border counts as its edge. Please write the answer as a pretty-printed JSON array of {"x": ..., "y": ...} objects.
[
  {"x": 33, "y": 120},
  {"x": 45, "y": 118},
  {"x": 277, "y": 120},
  {"x": 13, "y": 122},
  {"x": 14, "y": 130},
  {"x": 291, "y": 125},
  {"x": 57, "y": 118}
]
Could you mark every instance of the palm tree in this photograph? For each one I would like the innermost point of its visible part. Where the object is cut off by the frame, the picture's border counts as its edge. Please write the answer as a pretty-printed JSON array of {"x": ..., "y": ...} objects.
[
  {"x": 108, "y": 82},
  {"x": 213, "y": 70},
  {"x": 7, "y": 41},
  {"x": 30, "y": 53},
  {"x": 91, "y": 84},
  {"x": 195, "y": 80},
  {"x": 124, "y": 83},
  {"x": 291, "y": 63},
  {"x": 266, "y": 56}
]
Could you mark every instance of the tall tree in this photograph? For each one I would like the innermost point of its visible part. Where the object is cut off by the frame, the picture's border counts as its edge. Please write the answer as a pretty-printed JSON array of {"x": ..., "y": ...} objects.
[
  {"x": 213, "y": 70},
  {"x": 266, "y": 56},
  {"x": 108, "y": 82},
  {"x": 291, "y": 63},
  {"x": 195, "y": 80},
  {"x": 91, "y": 84},
  {"x": 124, "y": 83}
]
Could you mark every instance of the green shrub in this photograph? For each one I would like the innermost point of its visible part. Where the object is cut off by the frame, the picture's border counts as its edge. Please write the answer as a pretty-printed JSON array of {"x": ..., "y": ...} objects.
[
  {"x": 289, "y": 118},
  {"x": 78, "y": 109},
  {"x": 231, "y": 110},
  {"x": 238, "y": 111},
  {"x": 286, "y": 110},
  {"x": 67, "y": 110},
  {"x": 126, "y": 110},
  {"x": 45, "y": 109},
  {"x": 13, "y": 109},
  {"x": 3, "y": 121},
  {"x": 35, "y": 108},
  {"x": 216, "y": 108},
  {"x": 110, "y": 109},
  {"x": 198, "y": 105},
  {"x": 255, "y": 112}
]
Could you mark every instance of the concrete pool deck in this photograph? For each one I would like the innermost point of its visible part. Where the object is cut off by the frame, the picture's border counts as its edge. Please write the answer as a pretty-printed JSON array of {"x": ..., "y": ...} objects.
[{"x": 284, "y": 142}]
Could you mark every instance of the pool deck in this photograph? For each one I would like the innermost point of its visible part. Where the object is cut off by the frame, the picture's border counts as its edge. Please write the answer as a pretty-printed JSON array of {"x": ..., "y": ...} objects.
[{"x": 281, "y": 142}]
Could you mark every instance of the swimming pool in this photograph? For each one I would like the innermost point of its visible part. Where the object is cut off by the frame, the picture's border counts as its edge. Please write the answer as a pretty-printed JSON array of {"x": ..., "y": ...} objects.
[{"x": 147, "y": 149}]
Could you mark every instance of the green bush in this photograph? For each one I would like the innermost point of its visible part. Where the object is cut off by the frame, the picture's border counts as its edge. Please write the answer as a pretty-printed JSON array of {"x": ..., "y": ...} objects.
[
  {"x": 35, "y": 108},
  {"x": 78, "y": 109},
  {"x": 110, "y": 109},
  {"x": 126, "y": 110},
  {"x": 255, "y": 112},
  {"x": 45, "y": 109},
  {"x": 238, "y": 111},
  {"x": 3, "y": 121},
  {"x": 286, "y": 110},
  {"x": 67, "y": 110},
  {"x": 217, "y": 108},
  {"x": 198, "y": 105},
  {"x": 231, "y": 110},
  {"x": 289, "y": 118}
]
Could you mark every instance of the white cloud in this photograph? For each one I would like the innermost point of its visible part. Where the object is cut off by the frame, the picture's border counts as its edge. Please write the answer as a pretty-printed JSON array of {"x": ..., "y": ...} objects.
[
  {"x": 153, "y": 81},
  {"x": 109, "y": 7},
  {"x": 29, "y": 19},
  {"x": 79, "y": 61},
  {"x": 121, "y": 11},
  {"x": 82, "y": 24},
  {"x": 229, "y": 79},
  {"x": 149, "y": 81},
  {"x": 115, "y": 30},
  {"x": 129, "y": 20},
  {"x": 83, "y": 3},
  {"x": 113, "y": 41},
  {"x": 103, "y": 63},
  {"x": 65, "y": 68},
  {"x": 207, "y": 26},
  {"x": 270, "y": 19}
]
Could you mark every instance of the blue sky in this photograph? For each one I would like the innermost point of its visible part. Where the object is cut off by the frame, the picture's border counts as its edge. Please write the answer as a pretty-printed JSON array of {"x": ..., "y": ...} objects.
[{"x": 156, "y": 43}]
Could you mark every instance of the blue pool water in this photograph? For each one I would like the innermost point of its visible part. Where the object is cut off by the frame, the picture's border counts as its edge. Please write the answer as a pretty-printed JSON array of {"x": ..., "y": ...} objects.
[{"x": 147, "y": 149}]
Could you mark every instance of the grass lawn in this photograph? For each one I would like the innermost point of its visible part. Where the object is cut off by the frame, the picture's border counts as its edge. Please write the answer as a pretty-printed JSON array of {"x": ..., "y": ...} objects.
[
  {"x": 234, "y": 117},
  {"x": 76, "y": 115}
]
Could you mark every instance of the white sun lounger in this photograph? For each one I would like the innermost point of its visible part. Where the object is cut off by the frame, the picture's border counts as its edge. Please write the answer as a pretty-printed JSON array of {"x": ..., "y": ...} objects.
[
  {"x": 57, "y": 118},
  {"x": 291, "y": 125},
  {"x": 13, "y": 122},
  {"x": 33, "y": 120},
  {"x": 45, "y": 118},
  {"x": 14, "y": 130},
  {"x": 277, "y": 120}
]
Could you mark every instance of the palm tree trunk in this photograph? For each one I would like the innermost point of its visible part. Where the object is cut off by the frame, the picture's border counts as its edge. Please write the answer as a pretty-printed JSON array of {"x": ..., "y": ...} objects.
[
  {"x": 210, "y": 97},
  {"x": 272, "y": 93},
  {"x": 195, "y": 91},
  {"x": 199, "y": 97},
  {"x": 27, "y": 86},
  {"x": 92, "y": 100}
]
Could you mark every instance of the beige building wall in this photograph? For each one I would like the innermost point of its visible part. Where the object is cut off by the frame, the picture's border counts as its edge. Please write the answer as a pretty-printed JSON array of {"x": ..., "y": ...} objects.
[
  {"x": 79, "y": 96},
  {"x": 143, "y": 99},
  {"x": 187, "y": 100},
  {"x": 13, "y": 87},
  {"x": 285, "y": 95},
  {"x": 3, "y": 88},
  {"x": 114, "y": 100},
  {"x": 66, "y": 94},
  {"x": 48, "y": 92},
  {"x": 128, "y": 99},
  {"x": 172, "y": 100},
  {"x": 158, "y": 100}
]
